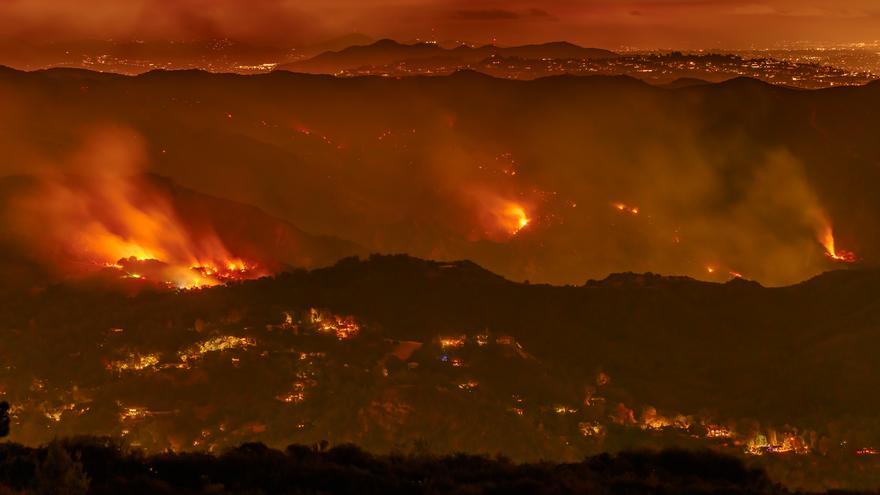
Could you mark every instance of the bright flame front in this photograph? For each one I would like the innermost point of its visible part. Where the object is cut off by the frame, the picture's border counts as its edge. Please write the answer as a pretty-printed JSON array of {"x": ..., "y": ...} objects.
[
  {"x": 128, "y": 224},
  {"x": 832, "y": 251}
]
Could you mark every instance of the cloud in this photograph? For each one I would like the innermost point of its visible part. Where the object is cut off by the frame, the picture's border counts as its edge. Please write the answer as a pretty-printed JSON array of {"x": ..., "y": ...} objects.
[
  {"x": 500, "y": 15},
  {"x": 540, "y": 14},
  {"x": 253, "y": 20},
  {"x": 655, "y": 23},
  {"x": 484, "y": 15}
]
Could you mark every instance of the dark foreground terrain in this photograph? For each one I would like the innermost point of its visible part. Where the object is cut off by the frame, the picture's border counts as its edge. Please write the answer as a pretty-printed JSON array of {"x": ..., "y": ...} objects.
[
  {"x": 392, "y": 351},
  {"x": 100, "y": 466}
]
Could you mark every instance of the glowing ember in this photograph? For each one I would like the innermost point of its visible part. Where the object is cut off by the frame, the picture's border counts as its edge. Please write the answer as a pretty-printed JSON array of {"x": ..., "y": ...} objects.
[
  {"x": 591, "y": 429},
  {"x": 452, "y": 342},
  {"x": 134, "y": 413},
  {"x": 564, "y": 409},
  {"x": 624, "y": 208},
  {"x": 469, "y": 386},
  {"x": 519, "y": 218},
  {"x": 831, "y": 250},
  {"x": 135, "y": 362},
  {"x": 182, "y": 277},
  {"x": 499, "y": 217},
  {"x": 714, "y": 431},
  {"x": 292, "y": 397},
  {"x": 343, "y": 327},
  {"x": 217, "y": 344}
]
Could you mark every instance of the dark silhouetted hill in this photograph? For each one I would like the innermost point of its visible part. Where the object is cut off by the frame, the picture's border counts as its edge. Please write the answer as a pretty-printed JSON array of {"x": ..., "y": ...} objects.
[
  {"x": 393, "y": 350},
  {"x": 346, "y": 469},
  {"x": 386, "y": 51}
]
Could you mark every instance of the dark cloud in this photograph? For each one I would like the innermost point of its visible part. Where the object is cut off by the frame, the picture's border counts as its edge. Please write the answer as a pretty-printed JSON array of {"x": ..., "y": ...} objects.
[
  {"x": 500, "y": 15},
  {"x": 609, "y": 23},
  {"x": 540, "y": 14},
  {"x": 484, "y": 15},
  {"x": 251, "y": 20}
]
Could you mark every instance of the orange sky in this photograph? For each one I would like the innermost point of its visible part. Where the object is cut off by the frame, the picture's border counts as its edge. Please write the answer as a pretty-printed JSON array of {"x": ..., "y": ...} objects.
[{"x": 604, "y": 23}]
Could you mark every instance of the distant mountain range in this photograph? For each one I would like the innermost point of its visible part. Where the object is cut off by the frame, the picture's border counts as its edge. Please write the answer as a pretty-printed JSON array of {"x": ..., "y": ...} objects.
[
  {"x": 386, "y": 51},
  {"x": 739, "y": 177},
  {"x": 139, "y": 56}
]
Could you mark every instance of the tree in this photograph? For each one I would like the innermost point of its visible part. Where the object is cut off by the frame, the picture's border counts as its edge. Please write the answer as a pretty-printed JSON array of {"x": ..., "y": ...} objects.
[
  {"x": 61, "y": 474},
  {"x": 4, "y": 419}
]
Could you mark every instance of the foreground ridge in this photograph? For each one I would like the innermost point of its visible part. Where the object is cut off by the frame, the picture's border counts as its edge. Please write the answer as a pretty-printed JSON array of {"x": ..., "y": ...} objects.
[{"x": 102, "y": 465}]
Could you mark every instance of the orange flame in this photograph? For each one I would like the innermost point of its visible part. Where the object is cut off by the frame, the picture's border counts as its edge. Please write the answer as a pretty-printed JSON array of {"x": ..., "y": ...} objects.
[
  {"x": 108, "y": 216},
  {"x": 633, "y": 210},
  {"x": 519, "y": 218},
  {"x": 827, "y": 240},
  {"x": 500, "y": 218}
]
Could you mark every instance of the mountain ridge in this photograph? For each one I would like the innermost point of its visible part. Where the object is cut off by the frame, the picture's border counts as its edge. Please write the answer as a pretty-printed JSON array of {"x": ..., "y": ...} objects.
[
  {"x": 387, "y": 51},
  {"x": 272, "y": 140},
  {"x": 373, "y": 346}
]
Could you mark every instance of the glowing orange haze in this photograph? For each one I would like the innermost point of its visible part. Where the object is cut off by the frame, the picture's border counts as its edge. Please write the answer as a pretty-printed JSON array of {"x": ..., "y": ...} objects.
[
  {"x": 119, "y": 222},
  {"x": 113, "y": 217},
  {"x": 499, "y": 218},
  {"x": 99, "y": 212},
  {"x": 659, "y": 23}
]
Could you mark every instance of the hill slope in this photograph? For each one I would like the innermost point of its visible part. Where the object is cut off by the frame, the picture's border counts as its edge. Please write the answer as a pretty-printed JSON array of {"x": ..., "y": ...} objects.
[
  {"x": 156, "y": 217},
  {"x": 394, "y": 349},
  {"x": 385, "y": 52},
  {"x": 739, "y": 177}
]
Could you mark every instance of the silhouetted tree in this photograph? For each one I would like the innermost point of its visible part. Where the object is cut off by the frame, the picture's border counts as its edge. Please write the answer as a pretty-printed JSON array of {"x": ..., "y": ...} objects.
[
  {"x": 60, "y": 474},
  {"x": 4, "y": 419}
]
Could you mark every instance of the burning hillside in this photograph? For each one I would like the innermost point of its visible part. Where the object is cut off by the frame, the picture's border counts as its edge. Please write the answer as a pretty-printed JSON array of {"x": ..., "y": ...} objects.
[
  {"x": 99, "y": 215},
  {"x": 831, "y": 250},
  {"x": 102, "y": 213},
  {"x": 429, "y": 167},
  {"x": 126, "y": 223}
]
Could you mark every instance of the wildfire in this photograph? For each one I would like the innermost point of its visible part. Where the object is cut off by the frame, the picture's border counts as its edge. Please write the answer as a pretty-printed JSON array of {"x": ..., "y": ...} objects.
[
  {"x": 775, "y": 443},
  {"x": 500, "y": 217},
  {"x": 216, "y": 344},
  {"x": 714, "y": 431},
  {"x": 591, "y": 429},
  {"x": 559, "y": 409},
  {"x": 100, "y": 212},
  {"x": 469, "y": 386},
  {"x": 343, "y": 327},
  {"x": 134, "y": 413},
  {"x": 135, "y": 362},
  {"x": 196, "y": 275},
  {"x": 292, "y": 397},
  {"x": 515, "y": 219},
  {"x": 127, "y": 224},
  {"x": 624, "y": 208},
  {"x": 452, "y": 342},
  {"x": 827, "y": 240}
]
